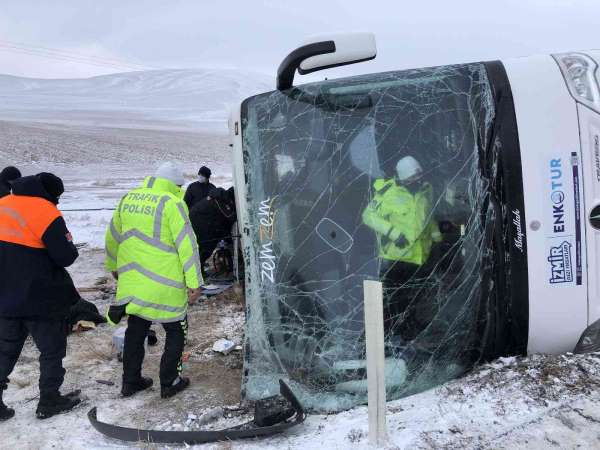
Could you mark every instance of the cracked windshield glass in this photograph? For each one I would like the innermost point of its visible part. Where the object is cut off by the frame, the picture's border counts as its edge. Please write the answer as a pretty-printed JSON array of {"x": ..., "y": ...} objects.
[{"x": 373, "y": 177}]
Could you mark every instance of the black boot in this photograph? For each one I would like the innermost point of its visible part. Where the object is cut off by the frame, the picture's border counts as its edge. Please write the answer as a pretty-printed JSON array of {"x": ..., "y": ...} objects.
[
  {"x": 54, "y": 403},
  {"x": 178, "y": 385},
  {"x": 5, "y": 412},
  {"x": 129, "y": 389}
]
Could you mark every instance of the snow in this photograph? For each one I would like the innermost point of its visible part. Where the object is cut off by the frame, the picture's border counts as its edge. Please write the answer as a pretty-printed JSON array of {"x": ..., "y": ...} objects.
[
  {"x": 99, "y": 165},
  {"x": 501, "y": 405},
  {"x": 177, "y": 98},
  {"x": 497, "y": 406}
]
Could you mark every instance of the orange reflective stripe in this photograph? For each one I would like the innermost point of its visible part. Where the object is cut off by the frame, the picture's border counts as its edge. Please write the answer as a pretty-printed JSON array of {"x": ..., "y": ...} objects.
[{"x": 24, "y": 220}]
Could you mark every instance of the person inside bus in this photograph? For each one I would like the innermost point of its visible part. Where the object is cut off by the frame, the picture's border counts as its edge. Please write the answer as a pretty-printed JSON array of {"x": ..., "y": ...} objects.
[{"x": 400, "y": 213}]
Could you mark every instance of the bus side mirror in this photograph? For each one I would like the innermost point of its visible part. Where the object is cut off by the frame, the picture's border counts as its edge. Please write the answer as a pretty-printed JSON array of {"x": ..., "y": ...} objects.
[{"x": 324, "y": 52}]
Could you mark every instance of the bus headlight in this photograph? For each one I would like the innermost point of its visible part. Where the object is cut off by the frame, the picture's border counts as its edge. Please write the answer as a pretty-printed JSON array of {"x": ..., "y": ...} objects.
[{"x": 579, "y": 71}]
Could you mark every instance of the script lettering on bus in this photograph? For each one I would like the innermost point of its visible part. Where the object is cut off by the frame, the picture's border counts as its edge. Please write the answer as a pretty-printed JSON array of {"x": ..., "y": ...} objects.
[
  {"x": 518, "y": 239},
  {"x": 266, "y": 256}
]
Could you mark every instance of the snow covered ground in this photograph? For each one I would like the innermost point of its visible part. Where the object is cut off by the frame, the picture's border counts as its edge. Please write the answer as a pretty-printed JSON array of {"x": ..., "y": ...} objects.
[
  {"x": 536, "y": 402},
  {"x": 99, "y": 164}
]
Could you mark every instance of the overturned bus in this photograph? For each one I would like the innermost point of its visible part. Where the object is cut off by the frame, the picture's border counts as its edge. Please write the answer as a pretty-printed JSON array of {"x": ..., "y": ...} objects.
[{"x": 471, "y": 191}]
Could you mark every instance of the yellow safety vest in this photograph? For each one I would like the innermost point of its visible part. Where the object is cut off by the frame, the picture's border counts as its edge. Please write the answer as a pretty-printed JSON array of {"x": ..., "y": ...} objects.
[
  {"x": 151, "y": 244},
  {"x": 395, "y": 211}
]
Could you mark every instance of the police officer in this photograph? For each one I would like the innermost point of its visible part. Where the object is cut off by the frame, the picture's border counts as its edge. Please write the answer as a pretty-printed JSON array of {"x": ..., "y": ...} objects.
[
  {"x": 7, "y": 175},
  {"x": 400, "y": 213},
  {"x": 36, "y": 292},
  {"x": 200, "y": 189},
  {"x": 152, "y": 251}
]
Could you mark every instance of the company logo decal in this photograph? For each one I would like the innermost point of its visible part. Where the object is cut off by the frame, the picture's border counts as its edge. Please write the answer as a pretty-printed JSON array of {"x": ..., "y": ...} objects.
[
  {"x": 563, "y": 189},
  {"x": 557, "y": 196},
  {"x": 577, "y": 204},
  {"x": 561, "y": 269}
]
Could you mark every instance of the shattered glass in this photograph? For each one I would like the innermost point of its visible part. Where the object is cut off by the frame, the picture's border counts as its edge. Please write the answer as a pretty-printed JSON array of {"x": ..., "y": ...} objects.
[{"x": 327, "y": 210}]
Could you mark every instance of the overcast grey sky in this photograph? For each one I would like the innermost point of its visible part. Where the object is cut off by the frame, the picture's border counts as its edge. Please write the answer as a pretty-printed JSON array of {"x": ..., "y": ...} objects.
[{"x": 257, "y": 34}]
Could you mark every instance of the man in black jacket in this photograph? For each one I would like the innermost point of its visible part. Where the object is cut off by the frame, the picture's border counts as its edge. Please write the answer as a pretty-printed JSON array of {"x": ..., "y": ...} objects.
[
  {"x": 199, "y": 190},
  {"x": 212, "y": 219},
  {"x": 7, "y": 175},
  {"x": 36, "y": 292}
]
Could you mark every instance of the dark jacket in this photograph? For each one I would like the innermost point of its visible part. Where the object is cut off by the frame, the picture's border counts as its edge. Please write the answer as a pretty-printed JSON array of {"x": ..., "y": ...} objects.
[
  {"x": 4, "y": 189},
  {"x": 84, "y": 310},
  {"x": 195, "y": 192},
  {"x": 7, "y": 175},
  {"x": 34, "y": 282},
  {"x": 212, "y": 220}
]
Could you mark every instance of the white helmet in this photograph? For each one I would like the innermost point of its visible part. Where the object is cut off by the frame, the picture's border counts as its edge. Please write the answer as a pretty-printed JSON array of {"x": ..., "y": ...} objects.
[
  {"x": 408, "y": 167},
  {"x": 171, "y": 172}
]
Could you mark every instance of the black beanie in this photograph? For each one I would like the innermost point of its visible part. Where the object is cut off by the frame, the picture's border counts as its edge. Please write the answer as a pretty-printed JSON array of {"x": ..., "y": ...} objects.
[
  {"x": 205, "y": 172},
  {"x": 10, "y": 173},
  {"x": 52, "y": 184}
]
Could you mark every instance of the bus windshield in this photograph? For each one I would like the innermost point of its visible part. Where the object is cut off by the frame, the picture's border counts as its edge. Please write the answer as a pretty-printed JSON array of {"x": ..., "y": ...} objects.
[{"x": 377, "y": 177}]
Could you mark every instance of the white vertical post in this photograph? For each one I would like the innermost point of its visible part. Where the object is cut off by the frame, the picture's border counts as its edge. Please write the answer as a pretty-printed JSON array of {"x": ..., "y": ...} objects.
[{"x": 373, "y": 293}]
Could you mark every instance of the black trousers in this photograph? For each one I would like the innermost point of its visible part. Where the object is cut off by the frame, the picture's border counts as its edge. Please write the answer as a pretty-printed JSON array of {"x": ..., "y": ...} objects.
[
  {"x": 50, "y": 337},
  {"x": 401, "y": 284},
  {"x": 133, "y": 350}
]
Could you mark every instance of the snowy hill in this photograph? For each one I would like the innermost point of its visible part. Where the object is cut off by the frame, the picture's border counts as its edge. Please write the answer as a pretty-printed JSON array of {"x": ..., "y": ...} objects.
[{"x": 189, "y": 98}]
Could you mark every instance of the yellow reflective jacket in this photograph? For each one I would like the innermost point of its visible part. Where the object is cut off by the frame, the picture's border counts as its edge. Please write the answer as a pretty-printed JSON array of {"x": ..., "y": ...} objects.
[
  {"x": 151, "y": 244},
  {"x": 395, "y": 211}
]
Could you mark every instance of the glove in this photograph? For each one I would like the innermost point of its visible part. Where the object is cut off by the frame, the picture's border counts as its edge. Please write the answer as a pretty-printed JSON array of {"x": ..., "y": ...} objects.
[
  {"x": 115, "y": 313},
  {"x": 397, "y": 238},
  {"x": 401, "y": 241}
]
